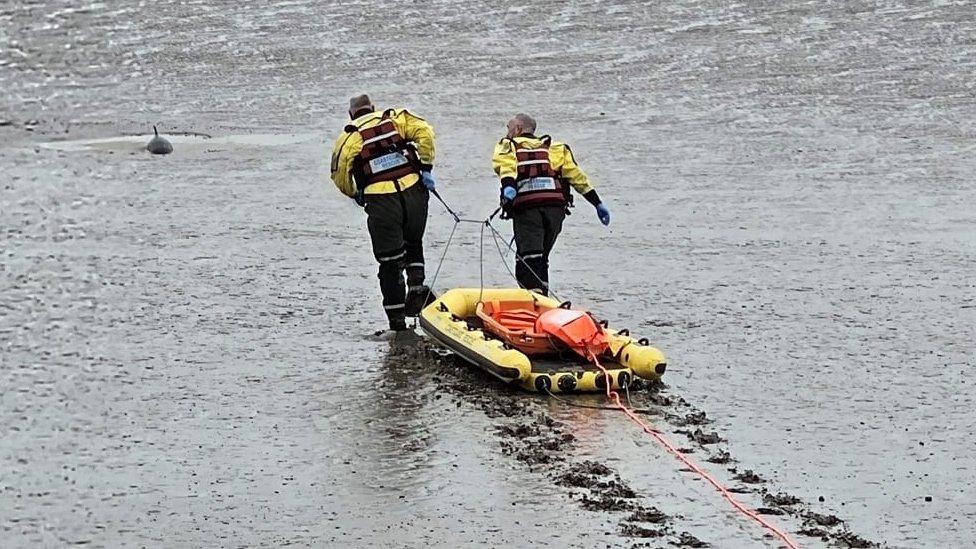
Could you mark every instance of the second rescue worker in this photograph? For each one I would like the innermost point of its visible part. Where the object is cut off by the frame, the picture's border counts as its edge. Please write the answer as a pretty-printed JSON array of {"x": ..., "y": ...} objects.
[
  {"x": 536, "y": 174},
  {"x": 383, "y": 160}
]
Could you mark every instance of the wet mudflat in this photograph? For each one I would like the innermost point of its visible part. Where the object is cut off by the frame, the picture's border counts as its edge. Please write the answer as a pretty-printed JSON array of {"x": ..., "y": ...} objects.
[{"x": 185, "y": 350}]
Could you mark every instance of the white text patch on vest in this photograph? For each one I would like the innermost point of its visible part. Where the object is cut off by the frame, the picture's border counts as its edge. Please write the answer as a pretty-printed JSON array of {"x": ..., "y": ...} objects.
[
  {"x": 387, "y": 162},
  {"x": 538, "y": 184}
]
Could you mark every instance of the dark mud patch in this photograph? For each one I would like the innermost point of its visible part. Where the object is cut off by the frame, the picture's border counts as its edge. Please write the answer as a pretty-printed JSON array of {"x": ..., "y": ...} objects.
[
  {"x": 628, "y": 530},
  {"x": 692, "y": 418},
  {"x": 651, "y": 515},
  {"x": 603, "y": 502},
  {"x": 721, "y": 457},
  {"x": 781, "y": 499},
  {"x": 849, "y": 539},
  {"x": 831, "y": 529},
  {"x": 613, "y": 488},
  {"x": 840, "y": 539},
  {"x": 574, "y": 480},
  {"x": 594, "y": 468},
  {"x": 688, "y": 540},
  {"x": 821, "y": 520},
  {"x": 617, "y": 489},
  {"x": 814, "y": 533},
  {"x": 700, "y": 437},
  {"x": 747, "y": 476}
]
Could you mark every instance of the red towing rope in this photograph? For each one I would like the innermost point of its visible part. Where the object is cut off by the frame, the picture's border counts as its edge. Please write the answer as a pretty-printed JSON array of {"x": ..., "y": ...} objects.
[{"x": 613, "y": 396}]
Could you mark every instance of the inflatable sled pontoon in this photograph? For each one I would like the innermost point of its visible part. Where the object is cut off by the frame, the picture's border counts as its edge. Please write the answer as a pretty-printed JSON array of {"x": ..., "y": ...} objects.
[{"x": 536, "y": 342}]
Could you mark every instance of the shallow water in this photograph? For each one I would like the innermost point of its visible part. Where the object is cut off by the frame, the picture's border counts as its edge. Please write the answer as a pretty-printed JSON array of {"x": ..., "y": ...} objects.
[{"x": 185, "y": 340}]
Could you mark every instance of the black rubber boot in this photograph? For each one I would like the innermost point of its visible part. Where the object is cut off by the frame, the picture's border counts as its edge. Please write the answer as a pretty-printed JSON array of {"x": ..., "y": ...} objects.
[
  {"x": 417, "y": 298},
  {"x": 398, "y": 324}
]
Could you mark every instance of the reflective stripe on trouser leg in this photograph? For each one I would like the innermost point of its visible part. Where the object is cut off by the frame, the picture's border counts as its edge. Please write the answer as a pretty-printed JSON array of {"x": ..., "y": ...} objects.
[
  {"x": 392, "y": 257},
  {"x": 532, "y": 272},
  {"x": 391, "y": 284},
  {"x": 414, "y": 260}
]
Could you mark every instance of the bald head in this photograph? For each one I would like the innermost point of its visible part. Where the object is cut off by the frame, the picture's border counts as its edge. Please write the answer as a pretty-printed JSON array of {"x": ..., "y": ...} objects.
[
  {"x": 360, "y": 103},
  {"x": 521, "y": 123}
]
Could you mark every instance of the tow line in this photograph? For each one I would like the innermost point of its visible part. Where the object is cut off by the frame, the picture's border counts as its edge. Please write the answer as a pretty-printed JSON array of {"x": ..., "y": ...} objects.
[
  {"x": 615, "y": 398},
  {"x": 611, "y": 394}
]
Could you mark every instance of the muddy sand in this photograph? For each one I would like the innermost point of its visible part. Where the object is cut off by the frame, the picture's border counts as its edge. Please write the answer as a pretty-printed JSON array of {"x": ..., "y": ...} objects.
[{"x": 186, "y": 349}]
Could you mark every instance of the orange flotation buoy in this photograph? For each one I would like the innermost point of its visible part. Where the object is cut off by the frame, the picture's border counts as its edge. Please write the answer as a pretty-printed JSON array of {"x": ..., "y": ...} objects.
[{"x": 577, "y": 329}]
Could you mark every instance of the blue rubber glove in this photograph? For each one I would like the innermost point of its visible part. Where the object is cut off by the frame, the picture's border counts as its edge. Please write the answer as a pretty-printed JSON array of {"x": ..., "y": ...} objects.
[
  {"x": 603, "y": 213},
  {"x": 508, "y": 194},
  {"x": 428, "y": 180}
]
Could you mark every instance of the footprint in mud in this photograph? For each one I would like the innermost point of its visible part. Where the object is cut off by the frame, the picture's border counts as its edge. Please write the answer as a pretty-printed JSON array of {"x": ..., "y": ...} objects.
[
  {"x": 781, "y": 499},
  {"x": 691, "y": 418},
  {"x": 646, "y": 523},
  {"x": 613, "y": 488},
  {"x": 746, "y": 476},
  {"x": 701, "y": 437},
  {"x": 721, "y": 457},
  {"x": 688, "y": 540},
  {"x": 629, "y": 530},
  {"x": 648, "y": 515},
  {"x": 821, "y": 520},
  {"x": 600, "y": 494}
]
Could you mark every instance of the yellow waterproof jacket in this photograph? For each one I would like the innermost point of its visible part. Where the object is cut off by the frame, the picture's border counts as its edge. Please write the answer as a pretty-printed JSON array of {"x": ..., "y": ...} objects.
[
  {"x": 560, "y": 158},
  {"x": 348, "y": 146}
]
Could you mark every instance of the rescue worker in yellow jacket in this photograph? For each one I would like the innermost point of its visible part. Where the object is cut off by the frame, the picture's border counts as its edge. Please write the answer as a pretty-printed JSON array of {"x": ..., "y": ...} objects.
[
  {"x": 536, "y": 175},
  {"x": 383, "y": 160}
]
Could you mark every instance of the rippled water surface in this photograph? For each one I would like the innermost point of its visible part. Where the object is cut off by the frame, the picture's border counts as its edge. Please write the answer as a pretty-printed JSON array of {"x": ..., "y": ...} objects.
[{"x": 186, "y": 355}]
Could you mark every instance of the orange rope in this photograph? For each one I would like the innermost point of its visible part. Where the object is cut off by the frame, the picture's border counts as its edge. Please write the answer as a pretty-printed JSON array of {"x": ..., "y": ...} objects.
[{"x": 612, "y": 395}]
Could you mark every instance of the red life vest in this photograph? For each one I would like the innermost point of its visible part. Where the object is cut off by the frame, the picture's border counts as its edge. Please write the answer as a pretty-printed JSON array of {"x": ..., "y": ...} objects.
[
  {"x": 535, "y": 180},
  {"x": 386, "y": 155}
]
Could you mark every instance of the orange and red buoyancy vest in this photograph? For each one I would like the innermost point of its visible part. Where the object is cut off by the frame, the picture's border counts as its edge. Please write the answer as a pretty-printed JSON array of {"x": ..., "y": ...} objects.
[
  {"x": 386, "y": 155},
  {"x": 535, "y": 180}
]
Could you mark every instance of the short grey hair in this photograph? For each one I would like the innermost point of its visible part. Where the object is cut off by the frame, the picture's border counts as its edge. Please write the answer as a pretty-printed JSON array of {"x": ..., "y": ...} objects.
[
  {"x": 527, "y": 122},
  {"x": 359, "y": 102}
]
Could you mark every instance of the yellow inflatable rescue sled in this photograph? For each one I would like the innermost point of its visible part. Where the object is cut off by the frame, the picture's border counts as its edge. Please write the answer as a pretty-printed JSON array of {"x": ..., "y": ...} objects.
[{"x": 542, "y": 345}]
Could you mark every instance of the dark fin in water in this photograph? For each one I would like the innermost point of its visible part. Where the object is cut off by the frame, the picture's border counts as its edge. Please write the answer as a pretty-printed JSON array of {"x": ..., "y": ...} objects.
[{"x": 159, "y": 145}]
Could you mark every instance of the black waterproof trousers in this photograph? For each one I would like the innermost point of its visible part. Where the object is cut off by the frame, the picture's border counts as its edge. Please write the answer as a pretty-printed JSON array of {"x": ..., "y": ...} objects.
[
  {"x": 396, "y": 223},
  {"x": 536, "y": 230}
]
